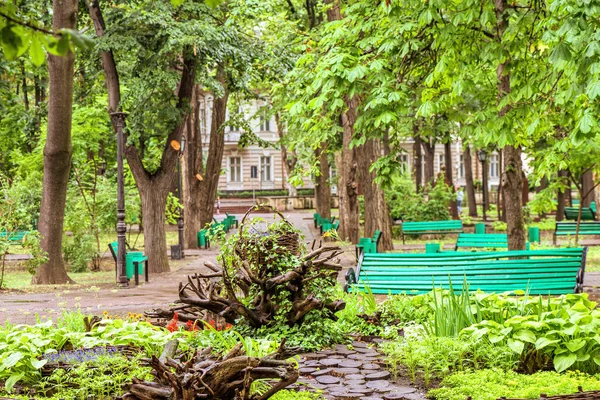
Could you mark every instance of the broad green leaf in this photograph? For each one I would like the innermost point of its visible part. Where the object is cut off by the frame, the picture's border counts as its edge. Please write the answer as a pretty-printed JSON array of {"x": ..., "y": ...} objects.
[
  {"x": 37, "y": 364},
  {"x": 575, "y": 345},
  {"x": 12, "y": 380},
  {"x": 543, "y": 342},
  {"x": 586, "y": 123},
  {"x": 564, "y": 361},
  {"x": 36, "y": 51},
  {"x": 213, "y": 3},
  {"x": 177, "y": 3},
  {"x": 525, "y": 335},
  {"x": 593, "y": 90},
  {"x": 560, "y": 53},
  {"x": 11, "y": 360},
  {"x": 516, "y": 345}
]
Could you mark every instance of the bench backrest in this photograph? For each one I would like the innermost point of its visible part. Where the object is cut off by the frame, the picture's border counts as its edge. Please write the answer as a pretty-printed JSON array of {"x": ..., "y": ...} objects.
[
  {"x": 114, "y": 249},
  {"x": 555, "y": 271},
  {"x": 498, "y": 240},
  {"x": 454, "y": 225},
  {"x": 592, "y": 228},
  {"x": 587, "y": 213}
]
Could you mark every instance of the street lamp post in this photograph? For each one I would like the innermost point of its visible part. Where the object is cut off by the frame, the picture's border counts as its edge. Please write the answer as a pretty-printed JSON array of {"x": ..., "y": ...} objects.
[
  {"x": 180, "y": 197},
  {"x": 177, "y": 251},
  {"x": 118, "y": 119},
  {"x": 482, "y": 156}
]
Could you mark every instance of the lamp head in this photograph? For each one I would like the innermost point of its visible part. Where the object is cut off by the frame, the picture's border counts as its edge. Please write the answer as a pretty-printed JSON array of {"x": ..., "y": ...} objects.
[{"x": 481, "y": 155}]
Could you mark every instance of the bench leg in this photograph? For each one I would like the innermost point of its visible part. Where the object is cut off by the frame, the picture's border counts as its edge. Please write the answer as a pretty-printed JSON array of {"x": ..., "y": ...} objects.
[
  {"x": 146, "y": 270},
  {"x": 136, "y": 272}
]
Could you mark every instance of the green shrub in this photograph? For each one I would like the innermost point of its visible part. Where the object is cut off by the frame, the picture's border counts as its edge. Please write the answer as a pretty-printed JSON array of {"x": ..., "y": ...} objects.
[
  {"x": 499, "y": 226},
  {"x": 408, "y": 205},
  {"x": 491, "y": 384},
  {"x": 79, "y": 251}
]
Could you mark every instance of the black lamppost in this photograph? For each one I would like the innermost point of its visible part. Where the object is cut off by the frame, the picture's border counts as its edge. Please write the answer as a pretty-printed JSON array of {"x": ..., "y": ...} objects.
[
  {"x": 482, "y": 156},
  {"x": 179, "y": 254},
  {"x": 118, "y": 119}
]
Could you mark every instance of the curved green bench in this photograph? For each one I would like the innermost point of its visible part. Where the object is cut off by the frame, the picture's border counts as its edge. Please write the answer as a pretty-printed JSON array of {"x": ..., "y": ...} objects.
[
  {"x": 431, "y": 227},
  {"x": 587, "y": 214},
  {"x": 16, "y": 237},
  {"x": 556, "y": 271}
]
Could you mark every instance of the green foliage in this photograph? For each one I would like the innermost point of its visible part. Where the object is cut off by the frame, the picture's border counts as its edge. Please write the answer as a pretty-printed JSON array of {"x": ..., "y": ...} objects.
[
  {"x": 491, "y": 384},
  {"x": 79, "y": 251},
  {"x": 294, "y": 395},
  {"x": 432, "y": 357},
  {"x": 565, "y": 334},
  {"x": 173, "y": 209},
  {"x": 499, "y": 226},
  {"x": 409, "y": 205}
]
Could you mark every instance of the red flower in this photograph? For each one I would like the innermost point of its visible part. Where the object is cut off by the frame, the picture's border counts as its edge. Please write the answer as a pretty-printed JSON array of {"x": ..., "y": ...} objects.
[
  {"x": 190, "y": 326},
  {"x": 172, "y": 325}
]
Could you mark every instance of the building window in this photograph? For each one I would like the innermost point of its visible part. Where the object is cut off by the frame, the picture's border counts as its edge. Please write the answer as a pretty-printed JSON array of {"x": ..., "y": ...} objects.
[
  {"x": 494, "y": 166},
  {"x": 404, "y": 164},
  {"x": 265, "y": 169},
  {"x": 441, "y": 161},
  {"x": 461, "y": 167},
  {"x": 265, "y": 122},
  {"x": 235, "y": 169}
]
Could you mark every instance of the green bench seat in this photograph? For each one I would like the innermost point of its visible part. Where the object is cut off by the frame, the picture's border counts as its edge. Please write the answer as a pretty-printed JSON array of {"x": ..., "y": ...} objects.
[
  {"x": 431, "y": 227},
  {"x": 232, "y": 220},
  {"x": 569, "y": 229},
  {"x": 587, "y": 214},
  {"x": 136, "y": 262},
  {"x": 482, "y": 240},
  {"x": 556, "y": 271},
  {"x": 16, "y": 237}
]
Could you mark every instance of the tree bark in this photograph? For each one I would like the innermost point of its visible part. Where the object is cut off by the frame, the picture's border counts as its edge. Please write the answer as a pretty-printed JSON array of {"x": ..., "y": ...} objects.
[
  {"x": 468, "y": 164},
  {"x": 348, "y": 178},
  {"x": 588, "y": 185},
  {"x": 377, "y": 213},
  {"x": 543, "y": 185},
  {"x": 210, "y": 184},
  {"x": 322, "y": 187},
  {"x": 429, "y": 152},
  {"x": 57, "y": 151},
  {"x": 513, "y": 183},
  {"x": 418, "y": 160},
  {"x": 500, "y": 194},
  {"x": 287, "y": 160},
  {"x": 153, "y": 186},
  {"x": 561, "y": 196},
  {"x": 449, "y": 178},
  {"x": 191, "y": 168}
]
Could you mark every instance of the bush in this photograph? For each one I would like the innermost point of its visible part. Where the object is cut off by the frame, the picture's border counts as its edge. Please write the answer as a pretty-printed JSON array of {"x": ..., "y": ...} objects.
[
  {"x": 79, "y": 251},
  {"x": 408, "y": 205},
  {"x": 491, "y": 384}
]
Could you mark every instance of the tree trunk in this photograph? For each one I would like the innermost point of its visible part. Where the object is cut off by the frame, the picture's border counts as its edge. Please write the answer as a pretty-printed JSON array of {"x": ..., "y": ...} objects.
[
  {"x": 210, "y": 184},
  {"x": 322, "y": 187},
  {"x": 153, "y": 187},
  {"x": 418, "y": 160},
  {"x": 377, "y": 213},
  {"x": 525, "y": 189},
  {"x": 288, "y": 163},
  {"x": 500, "y": 195},
  {"x": 429, "y": 147},
  {"x": 191, "y": 168},
  {"x": 588, "y": 188},
  {"x": 57, "y": 151},
  {"x": 561, "y": 196},
  {"x": 468, "y": 161},
  {"x": 513, "y": 169},
  {"x": 348, "y": 179},
  {"x": 485, "y": 169},
  {"x": 543, "y": 185},
  {"x": 512, "y": 187},
  {"x": 449, "y": 178},
  {"x": 25, "y": 88}
]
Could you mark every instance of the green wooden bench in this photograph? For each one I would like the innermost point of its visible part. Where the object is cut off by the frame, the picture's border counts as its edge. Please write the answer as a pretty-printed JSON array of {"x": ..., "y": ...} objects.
[
  {"x": 368, "y": 245},
  {"x": 135, "y": 262},
  {"x": 482, "y": 240},
  {"x": 226, "y": 224},
  {"x": 431, "y": 227},
  {"x": 587, "y": 214},
  {"x": 16, "y": 237},
  {"x": 556, "y": 271},
  {"x": 569, "y": 229},
  {"x": 327, "y": 226}
]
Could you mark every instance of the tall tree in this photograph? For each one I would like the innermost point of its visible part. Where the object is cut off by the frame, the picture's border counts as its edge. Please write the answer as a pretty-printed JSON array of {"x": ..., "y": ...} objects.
[
  {"x": 153, "y": 184},
  {"x": 468, "y": 165},
  {"x": 57, "y": 151}
]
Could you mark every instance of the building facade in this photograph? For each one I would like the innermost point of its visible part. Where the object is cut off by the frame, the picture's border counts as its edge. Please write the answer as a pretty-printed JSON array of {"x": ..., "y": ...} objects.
[{"x": 257, "y": 168}]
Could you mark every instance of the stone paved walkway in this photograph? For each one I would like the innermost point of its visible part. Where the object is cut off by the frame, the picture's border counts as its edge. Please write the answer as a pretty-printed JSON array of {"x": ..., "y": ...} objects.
[{"x": 352, "y": 372}]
